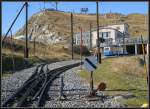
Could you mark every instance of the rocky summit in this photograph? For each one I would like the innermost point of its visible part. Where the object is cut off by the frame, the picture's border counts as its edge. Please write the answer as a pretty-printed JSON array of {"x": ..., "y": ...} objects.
[{"x": 50, "y": 26}]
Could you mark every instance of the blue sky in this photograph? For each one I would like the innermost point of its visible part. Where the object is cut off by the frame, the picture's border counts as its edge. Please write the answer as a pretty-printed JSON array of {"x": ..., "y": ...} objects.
[{"x": 10, "y": 10}]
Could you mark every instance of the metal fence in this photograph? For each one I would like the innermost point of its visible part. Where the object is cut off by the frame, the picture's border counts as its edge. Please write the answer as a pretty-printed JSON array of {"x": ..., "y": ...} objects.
[{"x": 125, "y": 41}]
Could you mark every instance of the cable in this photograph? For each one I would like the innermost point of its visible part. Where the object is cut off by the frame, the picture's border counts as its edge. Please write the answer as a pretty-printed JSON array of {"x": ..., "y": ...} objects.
[
  {"x": 44, "y": 5},
  {"x": 13, "y": 23}
]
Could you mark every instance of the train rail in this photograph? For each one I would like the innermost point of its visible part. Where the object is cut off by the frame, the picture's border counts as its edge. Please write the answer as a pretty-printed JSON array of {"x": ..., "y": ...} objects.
[{"x": 34, "y": 90}]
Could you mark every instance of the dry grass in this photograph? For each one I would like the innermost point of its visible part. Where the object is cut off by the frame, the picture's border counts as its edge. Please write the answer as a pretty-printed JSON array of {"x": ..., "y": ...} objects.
[
  {"x": 122, "y": 75},
  {"x": 135, "y": 68},
  {"x": 60, "y": 22},
  {"x": 41, "y": 50},
  {"x": 43, "y": 53}
]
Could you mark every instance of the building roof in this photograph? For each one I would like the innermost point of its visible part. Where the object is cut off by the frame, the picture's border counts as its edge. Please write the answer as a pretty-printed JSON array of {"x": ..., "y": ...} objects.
[
  {"x": 109, "y": 25},
  {"x": 105, "y": 27}
]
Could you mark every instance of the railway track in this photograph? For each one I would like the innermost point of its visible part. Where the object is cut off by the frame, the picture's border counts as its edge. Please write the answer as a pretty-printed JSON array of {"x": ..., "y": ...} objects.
[{"x": 34, "y": 90}]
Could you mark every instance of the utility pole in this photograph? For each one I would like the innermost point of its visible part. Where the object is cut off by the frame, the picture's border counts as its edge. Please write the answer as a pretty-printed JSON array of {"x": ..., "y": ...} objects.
[
  {"x": 34, "y": 46},
  {"x": 26, "y": 47},
  {"x": 1, "y": 42},
  {"x": 145, "y": 66},
  {"x": 98, "y": 39},
  {"x": 90, "y": 36},
  {"x": 123, "y": 43},
  {"x": 12, "y": 48},
  {"x": 81, "y": 42},
  {"x": 56, "y": 5},
  {"x": 72, "y": 33}
]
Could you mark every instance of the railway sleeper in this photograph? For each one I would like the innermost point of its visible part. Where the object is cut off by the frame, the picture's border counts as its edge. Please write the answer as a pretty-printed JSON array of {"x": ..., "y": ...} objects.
[
  {"x": 34, "y": 84},
  {"x": 27, "y": 93},
  {"x": 40, "y": 90}
]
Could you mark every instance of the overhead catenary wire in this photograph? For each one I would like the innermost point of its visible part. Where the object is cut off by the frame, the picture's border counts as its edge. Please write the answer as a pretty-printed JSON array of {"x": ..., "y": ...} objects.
[
  {"x": 104, "y": 14},
  {"x": 44, "y": 5},
  {"x": 13, "y": 22}
]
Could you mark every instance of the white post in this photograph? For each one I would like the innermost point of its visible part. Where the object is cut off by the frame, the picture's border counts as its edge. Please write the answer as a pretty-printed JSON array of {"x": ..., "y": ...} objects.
[
  {"x": 135, "y": 49},
  {"x": 147, "y": 57},
  {"x": 147, "y": 50}
]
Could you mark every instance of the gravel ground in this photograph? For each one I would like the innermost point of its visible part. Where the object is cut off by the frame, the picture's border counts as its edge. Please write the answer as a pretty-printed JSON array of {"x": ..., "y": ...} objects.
[
  {"x": 76, "y": 91},
  {"x": 13, "y": 82}
]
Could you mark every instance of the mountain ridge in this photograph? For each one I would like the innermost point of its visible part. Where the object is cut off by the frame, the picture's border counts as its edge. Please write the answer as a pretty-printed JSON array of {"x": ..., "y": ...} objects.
[{"x": 55, "y": 26}]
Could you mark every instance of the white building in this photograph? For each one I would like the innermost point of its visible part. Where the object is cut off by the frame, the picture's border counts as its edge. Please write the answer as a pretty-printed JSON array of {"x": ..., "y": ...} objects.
[
  {"x": 110, "y": 32},
  {"x": 85, "y": 37}
]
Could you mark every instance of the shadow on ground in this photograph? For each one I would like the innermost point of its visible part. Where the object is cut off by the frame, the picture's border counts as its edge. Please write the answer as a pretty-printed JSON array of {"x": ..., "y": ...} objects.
[{"x": 20, "y": 63}]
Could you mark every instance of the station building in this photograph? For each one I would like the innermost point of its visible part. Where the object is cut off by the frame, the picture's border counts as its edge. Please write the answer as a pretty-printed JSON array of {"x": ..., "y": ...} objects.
[{"x": 110, "y": 33}]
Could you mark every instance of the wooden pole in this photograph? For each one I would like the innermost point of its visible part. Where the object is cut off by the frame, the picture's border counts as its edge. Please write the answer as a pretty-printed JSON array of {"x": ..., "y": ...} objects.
[
  {"x": 12, "y": 48},
  {"x": 81, "y": 47},
  {"x": 1, "y": 44},
  {"x": 98, "y": 39},
  {"x": 34, "y": 46},
  {"x": 26, "y": 47},
  {"x": 72, "y": 34}
]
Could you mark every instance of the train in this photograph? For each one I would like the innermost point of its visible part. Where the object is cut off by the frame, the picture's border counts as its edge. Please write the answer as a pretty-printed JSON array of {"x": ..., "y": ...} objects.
[{"x": 114, "y": 50}]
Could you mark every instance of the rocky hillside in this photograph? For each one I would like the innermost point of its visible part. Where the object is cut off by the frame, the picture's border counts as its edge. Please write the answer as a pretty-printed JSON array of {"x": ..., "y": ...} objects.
[{"x": 54, "y": 26}]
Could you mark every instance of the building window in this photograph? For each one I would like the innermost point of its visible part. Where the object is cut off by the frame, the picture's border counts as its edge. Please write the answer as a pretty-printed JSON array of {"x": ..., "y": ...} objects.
[{"x": 105, "y": 34}]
